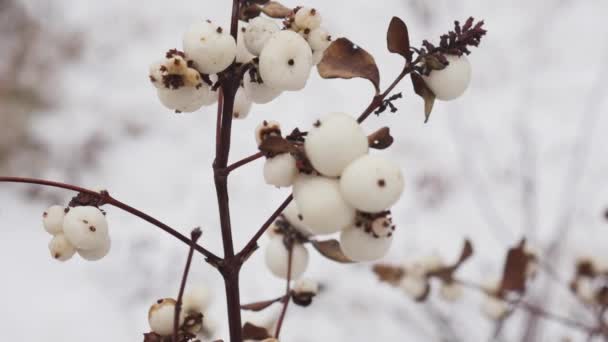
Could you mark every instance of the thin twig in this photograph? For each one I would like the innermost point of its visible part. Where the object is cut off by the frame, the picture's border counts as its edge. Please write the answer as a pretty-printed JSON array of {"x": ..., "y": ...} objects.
[
  {"x": 212, "y": 258},
  {"x": 287, "y": 291},
  {"x": 252, "y": 244},
  {"x": 244, "y": 161},
  {"x": 194, "y": 236}
]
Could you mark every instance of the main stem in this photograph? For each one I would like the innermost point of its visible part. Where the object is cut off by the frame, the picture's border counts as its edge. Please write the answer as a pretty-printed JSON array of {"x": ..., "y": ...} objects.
[{"x": 230, "y": 266}]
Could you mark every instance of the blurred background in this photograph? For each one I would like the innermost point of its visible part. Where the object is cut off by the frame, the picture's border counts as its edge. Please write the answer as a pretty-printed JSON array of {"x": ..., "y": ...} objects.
[{"x": 523, "y": 153}]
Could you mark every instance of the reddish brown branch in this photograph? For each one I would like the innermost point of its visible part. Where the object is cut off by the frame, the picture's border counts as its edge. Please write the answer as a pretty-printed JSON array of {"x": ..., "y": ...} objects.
[
  {"x": 287, "y": 292},
  {"x": 244, "y": 161},
  {"x": 194, "y": 236},
  {"x": 253, "y": 243},
  {"x": 212, "y": 258}
]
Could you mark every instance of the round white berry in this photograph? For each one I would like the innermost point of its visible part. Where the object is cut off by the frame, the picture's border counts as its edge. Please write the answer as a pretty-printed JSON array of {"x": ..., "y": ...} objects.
[
  {"x": 306, "y": 286},
  {"x": 280, "y": 170},
  {"x": 308, "y": 18},
  {"x": 451, "y": 82},
  {"x": 242, "y": 104},
  {"x": 371, "y": 184},
  {"x": 85, "y": 227},
  {"x": 52, "y": 219},
  {"x": 450, "y": 292},
  {"x": 209, "y": 46},
  {"x": 361, "y": 246},
  {"x": 155, "y": 74},
  {"x": 97, "y": 253},
  {"x": 382, "y": 227},
  {"x": 494, "y": 308},
  {"x": 258, "y": 32},
  {"x": 321, "y": 205},
  {"x": 293, "y": 216},
  {"x": 286, "y": 61},
  {"x": 61, "y": 249},
  {"x": 187, "y": 99},
  {"x": 413, "y": 286},
  {"x": 265, "y": 129},
  {"x": 584, "y": 290},
  {"x": 242, "y": 53},
  {"x": 196, "y": 300},
  {"x": 334, "y": 142},
  {"x": 277, "y": 257},
  {"x": 259, "y": 92},
  {"x": 318, "y": 39},
  {"x": 161, "y": 317}
]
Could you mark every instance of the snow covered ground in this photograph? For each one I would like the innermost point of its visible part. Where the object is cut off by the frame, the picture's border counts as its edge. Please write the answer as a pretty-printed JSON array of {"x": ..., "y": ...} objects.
[{"x": 523, "y": 152}]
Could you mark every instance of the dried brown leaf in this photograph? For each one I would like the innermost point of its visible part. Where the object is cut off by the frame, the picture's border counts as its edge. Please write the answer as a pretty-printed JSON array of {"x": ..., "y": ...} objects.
[
  {"x": 398, "y": 39},
  {"x": 331, "y": 250},
  {"x": 388, "y": 273},
  {"x": 253, "y": 332},
  {"x": 381, "y": 139},
  {"x": 274, "y": 145},
  {"x": 275, "y": 9},
  {"x": 259, "y": 306},
  {"x": 423, "y": 91},
  {"x": 446, "y": 274},
  {"x": 344, "y": 59},
  {"x": 514, "y": 272}
]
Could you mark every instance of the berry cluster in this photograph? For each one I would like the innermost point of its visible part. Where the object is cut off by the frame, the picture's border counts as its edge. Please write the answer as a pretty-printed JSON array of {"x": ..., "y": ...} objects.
[
  {"x": 337, "y": 186},
  {"x": 79, "y": 229},
  {"x": 590, "y": 282},
  {"x": 274, "y": 60}
]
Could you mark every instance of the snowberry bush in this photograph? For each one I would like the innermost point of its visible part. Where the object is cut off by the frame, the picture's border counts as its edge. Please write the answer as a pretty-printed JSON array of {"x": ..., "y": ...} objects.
[{"x": 342, "y": 188}]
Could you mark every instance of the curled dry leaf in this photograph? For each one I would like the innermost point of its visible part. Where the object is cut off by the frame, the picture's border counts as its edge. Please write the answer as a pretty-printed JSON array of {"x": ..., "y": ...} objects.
[
  {"x": 331, "y": 250},
  {"x": 249, "y": 12},
  {"x": 274, "y": 145},
  {"x": 259, "y": 306},
  {"x": 389, "y": 274},
  {"x": 275, "y": 9},
  {"x": 253, "y": 332},
  {"x": 514, "y": 273},
  {"x": 425, "y": 92},
  {"x": 344, "y": 59},
  {"x": 398, "y": 39},
  {"x": 381, "y": 139}
]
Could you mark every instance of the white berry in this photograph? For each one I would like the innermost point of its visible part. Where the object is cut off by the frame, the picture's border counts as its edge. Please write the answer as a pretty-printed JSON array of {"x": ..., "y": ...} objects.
[
  {"x": 61, "y": 249},
  {"x": 321, "y": 204},
  {"x": 414, "y": 286},
  {"x": 97, "y": 253},
  {"x": 52, "y": 219},
  {"x": 361, "y": 246},
  {"x": 450, "y": 292},
  {"x": 258, "y": 33},
  {"x": 242, "y": 104},
  {"x": 495, "y": 308},
  {"x": 210, "y": 47},
  {"x": 318, "y": 39},
  {"x": 293, "y": 216},
  {"x": 196, "y": 300},
  {"x": 187, "y": 99},
  {"x": 161, "y": 317},
  {"x": 266, "y": 129},
  {"x": 371, "y": 184},
  {"x": 308, "y": 18},
  {"x": 451, "y": 82},
  {"x": 286, "y": 61},
  {"x": 334, "y": 142},
  {"x": 277, "y": 257},
  {"x": 280, "y": 170},
  {"x": 85, "y": 227},
  {"x": 259, "y": 92},
  {"x": 306, "y": 286},
  {"x": 155, "y": 74},
  {"x": 382, "y": 226},
  {"x": 242, "y": 53}
]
